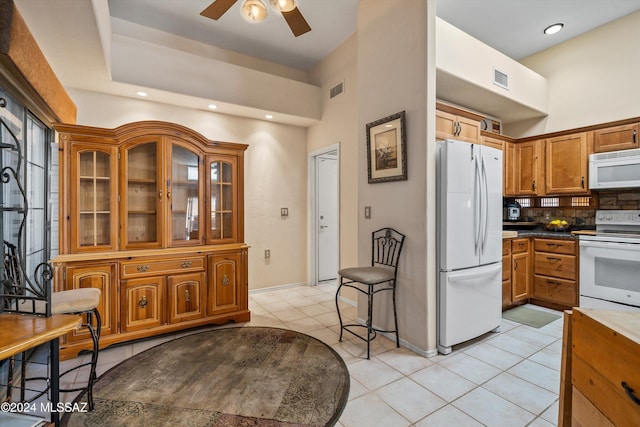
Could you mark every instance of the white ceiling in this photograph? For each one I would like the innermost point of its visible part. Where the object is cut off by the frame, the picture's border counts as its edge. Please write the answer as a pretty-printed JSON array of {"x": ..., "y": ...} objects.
[
  {"x": 515, "y": 27},
  {"x": 331, "y": 21},
  {"x": 67, "y": 31}
]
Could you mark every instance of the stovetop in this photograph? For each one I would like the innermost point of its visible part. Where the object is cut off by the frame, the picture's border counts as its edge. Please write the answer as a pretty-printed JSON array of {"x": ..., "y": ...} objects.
[{"x": 617, "y": 226}]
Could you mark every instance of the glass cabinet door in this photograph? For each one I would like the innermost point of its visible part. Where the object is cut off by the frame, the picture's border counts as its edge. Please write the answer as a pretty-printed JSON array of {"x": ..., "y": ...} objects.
[
  {"x": 185, "y": 196},
  {"x": 94, "y": 204},
  {"x": 222, "y": 226},
  {"x": 142, "y": 195}
]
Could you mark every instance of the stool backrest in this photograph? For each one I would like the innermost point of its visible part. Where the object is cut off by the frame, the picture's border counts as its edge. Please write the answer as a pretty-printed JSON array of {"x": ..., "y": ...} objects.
[{"x": 386, "y": 247}]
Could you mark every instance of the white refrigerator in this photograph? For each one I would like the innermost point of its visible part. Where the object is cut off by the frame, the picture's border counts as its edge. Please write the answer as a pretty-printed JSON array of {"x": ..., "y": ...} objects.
[{"x": 469, "y": 197}]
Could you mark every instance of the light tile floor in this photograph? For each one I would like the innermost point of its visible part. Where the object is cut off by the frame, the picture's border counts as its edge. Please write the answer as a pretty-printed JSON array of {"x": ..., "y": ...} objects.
[{"x": 510, "y": 378}]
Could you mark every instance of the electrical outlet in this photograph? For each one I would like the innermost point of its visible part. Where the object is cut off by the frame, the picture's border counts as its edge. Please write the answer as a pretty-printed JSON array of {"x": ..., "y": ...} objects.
[
  {"x": 284, "y": 211},
  {"x": 267, "y": 253}
]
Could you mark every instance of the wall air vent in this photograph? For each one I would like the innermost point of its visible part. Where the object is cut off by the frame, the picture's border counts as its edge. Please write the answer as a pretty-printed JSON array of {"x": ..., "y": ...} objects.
[
  {"x": 336, "y": 90},
  {"x": 501, "y": 79}
]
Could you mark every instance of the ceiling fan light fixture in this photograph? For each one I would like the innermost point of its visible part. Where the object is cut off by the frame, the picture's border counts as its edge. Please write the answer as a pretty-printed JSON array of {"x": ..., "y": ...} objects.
[
  {"x": 283, "y": 5},
  {"x": 254, "y": 10},
  {"x": 554, "y": 28}
]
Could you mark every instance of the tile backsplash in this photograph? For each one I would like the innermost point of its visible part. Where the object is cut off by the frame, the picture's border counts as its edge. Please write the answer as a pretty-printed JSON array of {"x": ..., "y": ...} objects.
[{"x": 629, "y": 199}]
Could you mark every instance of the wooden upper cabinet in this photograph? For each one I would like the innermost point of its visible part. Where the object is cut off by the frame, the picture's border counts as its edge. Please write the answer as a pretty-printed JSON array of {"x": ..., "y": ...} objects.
[
  {"x": 93, "y": 226},
  {"x": 614, "y": 138},
  {"x": 492, "y": 142},
  {"x": 510, "y": 169},
  {"x": 456, "y": 126},
  {"x": 142, "y": 194},
  {"x": 529, "y": 168},
  {"x": 185, "y": 194},
  {"x": 567, "y": 164},
  {"x": 148, "y": 185},
  {"x": 222, "y": 222}
]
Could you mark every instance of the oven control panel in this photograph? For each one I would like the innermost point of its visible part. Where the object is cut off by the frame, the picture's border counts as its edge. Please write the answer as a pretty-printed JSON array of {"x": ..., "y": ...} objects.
[{"x": 618, "y": 217}]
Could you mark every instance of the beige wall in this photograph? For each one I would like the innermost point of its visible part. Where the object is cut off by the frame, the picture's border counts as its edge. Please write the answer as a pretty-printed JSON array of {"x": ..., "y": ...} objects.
[
  {"x": 339, "y": 125},
  {"x": 392, "y": 77},
  {"x": 275, "y": 176},
  {"x": 592, "y": 78}
]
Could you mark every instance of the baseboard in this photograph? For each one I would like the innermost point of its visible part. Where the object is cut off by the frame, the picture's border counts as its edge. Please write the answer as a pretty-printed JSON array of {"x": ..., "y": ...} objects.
[{"x": 403, "y": 343}]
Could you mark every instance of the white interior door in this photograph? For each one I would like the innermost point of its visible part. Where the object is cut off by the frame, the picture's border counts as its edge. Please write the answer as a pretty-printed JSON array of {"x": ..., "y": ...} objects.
[{"x": 327, "y": 216}]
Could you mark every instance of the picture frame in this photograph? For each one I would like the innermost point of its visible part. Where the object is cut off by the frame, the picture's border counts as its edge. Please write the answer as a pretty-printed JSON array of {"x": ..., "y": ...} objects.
[{"x": 387, "y": 149}]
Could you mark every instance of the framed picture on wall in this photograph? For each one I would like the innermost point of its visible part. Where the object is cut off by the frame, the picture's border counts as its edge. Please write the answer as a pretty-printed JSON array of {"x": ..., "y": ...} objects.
[{"x": 387, "y": 149}]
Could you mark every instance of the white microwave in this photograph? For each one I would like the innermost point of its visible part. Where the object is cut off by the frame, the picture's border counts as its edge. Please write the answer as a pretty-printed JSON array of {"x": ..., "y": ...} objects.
[{"x": 615, "y": 169}]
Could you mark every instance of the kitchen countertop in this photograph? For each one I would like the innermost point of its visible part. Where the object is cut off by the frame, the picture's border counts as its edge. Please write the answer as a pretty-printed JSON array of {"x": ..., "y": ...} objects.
[{"x": 542, "y": 232}]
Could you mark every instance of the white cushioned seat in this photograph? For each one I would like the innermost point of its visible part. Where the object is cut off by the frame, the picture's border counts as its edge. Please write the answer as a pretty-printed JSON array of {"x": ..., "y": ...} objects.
[
  {"x": 367, "y": 275},
  {"x": 75, "y": 300}
]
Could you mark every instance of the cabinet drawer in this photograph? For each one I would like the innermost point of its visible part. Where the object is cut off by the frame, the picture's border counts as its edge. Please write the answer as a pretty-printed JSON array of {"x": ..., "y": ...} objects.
[
  {"x": 548, "y": 264},
  {"x": 555, "y": 290},
  {"x": 166, "y": 266},
  {"x": 605, "y": 353},
  {"x": 519, "y": 245},
  {"x": 567, "y": 247}
]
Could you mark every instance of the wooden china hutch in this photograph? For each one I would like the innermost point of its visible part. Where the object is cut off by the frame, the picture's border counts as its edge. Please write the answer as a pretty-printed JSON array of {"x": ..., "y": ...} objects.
[{"x": 151, "y": 213}]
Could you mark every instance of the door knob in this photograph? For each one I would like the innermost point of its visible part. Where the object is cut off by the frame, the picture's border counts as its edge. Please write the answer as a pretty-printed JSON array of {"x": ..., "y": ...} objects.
[{"x": 322, "y": 227}]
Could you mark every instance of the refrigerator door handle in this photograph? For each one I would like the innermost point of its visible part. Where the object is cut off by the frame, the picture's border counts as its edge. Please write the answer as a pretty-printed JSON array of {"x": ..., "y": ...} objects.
[
  {"x": 485, "y": 198},
  {"x": 486, "y": 272},
  {"x": 477, "y": 197}
]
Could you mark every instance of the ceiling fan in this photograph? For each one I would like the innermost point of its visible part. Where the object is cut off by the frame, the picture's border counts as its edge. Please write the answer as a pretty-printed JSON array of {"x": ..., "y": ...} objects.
[{"x": 256, "y": 11}]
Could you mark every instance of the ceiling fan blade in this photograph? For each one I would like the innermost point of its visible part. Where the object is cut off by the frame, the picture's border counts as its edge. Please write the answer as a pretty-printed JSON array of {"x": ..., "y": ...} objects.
[
  {"x": 218, "y": 8},
  {"x": 296, "y": 22}
]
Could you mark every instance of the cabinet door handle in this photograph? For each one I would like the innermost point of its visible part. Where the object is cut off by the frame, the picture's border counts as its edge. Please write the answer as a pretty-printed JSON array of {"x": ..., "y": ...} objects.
[
  {"x": 635, "y": 139},
  {"x": 551, "y": 282},
  {"x": 168, "y": 194},
  {"x": 160, "y": 194},
  {"x": 142, "y": 268},
  {"x": 515, "y": 264},
  {"x": 551, "y": 258},
  {"x": 630, "y": 392},
  {"x": 187, "y": 295},
  {"x": 225, "y": 280},
  {"x": 186, "y": 264},
  {"x": 553, "y": 244},
  {"x": 533, "y": 185},
  {"x": 143, "y": 301},
  {"x": 582, "y": 181}
]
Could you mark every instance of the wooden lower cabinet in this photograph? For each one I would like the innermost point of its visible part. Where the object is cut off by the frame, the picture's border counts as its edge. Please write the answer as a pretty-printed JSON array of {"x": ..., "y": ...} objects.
[
  {"x": 506, "y": 274},
  {"x": 101, "y": 276},
  {"x": 223, "y": 284},
  {"x": 151, "y": 292},
  {"x": 555, "y": 272},
  {"x": 142, "y": 303},
  {"x": 186, "y": 296},
  {"x": 604, "y": 369},
  {"x": 520, "y": 270}
]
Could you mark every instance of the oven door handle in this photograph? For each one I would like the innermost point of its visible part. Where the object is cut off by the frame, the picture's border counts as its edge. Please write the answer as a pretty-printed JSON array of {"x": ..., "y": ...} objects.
[{"x": 620, "y": 245}]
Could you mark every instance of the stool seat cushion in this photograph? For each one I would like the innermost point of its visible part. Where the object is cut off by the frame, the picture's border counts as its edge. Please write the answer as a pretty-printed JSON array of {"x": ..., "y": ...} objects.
[
  {"x": 367, "y": 275},
  {"x": 75, "y": 300}
]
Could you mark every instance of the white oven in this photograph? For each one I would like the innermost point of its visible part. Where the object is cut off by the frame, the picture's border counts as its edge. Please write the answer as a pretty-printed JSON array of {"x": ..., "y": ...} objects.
[{"x": 610, "y": 262}]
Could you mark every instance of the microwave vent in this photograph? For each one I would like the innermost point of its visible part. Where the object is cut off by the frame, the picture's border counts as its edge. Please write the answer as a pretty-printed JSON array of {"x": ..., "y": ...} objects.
[{"x": 616, "y": 154}]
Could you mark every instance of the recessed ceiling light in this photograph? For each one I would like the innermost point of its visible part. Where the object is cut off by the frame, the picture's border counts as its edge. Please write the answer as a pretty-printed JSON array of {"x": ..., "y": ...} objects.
[
  {"x": 552, "y": 29},
  {"x": 268, "y": 116},
  {"x": 141, "y": 93},
  {"x": 213, "y": 106}
]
